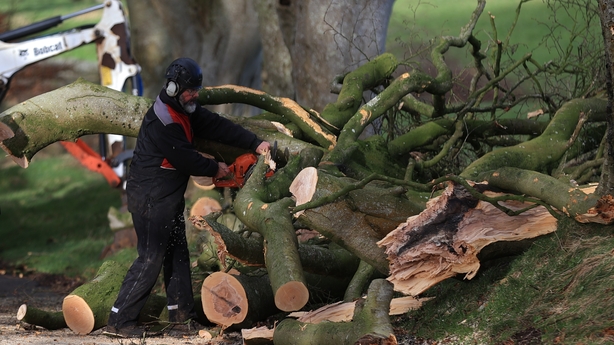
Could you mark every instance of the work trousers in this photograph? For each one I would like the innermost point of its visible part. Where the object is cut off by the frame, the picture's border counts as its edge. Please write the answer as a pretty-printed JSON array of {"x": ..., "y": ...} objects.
[{"x": 160, "y": 229}]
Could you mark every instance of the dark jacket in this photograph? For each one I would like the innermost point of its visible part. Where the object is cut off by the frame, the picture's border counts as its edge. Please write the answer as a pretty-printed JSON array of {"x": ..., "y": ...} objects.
[{"x": 165, "y": 157}]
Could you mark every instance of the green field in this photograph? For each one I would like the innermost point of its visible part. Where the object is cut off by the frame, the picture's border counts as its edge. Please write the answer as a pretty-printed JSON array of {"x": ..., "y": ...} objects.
[
  {"x": 420, "y": 21},
  {"x": 54, "y": 215}
]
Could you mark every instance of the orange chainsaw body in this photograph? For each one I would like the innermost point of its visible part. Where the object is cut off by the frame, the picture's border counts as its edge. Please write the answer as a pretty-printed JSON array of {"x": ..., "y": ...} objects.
[{"x": 240, "y": 170}]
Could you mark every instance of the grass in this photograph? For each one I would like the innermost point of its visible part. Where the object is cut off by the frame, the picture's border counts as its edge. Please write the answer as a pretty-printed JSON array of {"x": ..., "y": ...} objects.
[
  {"x": 419, "y": 21},
  {"x": 54, "y": 216},
  {"x": 560, "y": 288}
]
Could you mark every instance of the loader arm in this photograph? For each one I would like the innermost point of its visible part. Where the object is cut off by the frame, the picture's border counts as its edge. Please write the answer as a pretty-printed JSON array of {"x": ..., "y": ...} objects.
[{"x": 115, "y": 65}]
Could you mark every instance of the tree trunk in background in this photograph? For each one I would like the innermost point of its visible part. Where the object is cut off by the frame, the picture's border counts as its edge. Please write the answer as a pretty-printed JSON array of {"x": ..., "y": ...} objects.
[
  {"x": 606, "y": 14},
  {"x": 323, "y": 38},
  {"x": 222, "y": 36},
  {"x": 276, "y": 61},
  {"x": 332, "y": 37}
]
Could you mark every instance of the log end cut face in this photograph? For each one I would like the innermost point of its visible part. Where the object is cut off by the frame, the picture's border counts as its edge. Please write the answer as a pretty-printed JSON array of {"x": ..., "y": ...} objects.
[
  {"x": 21, "y": 312},
  {"x": 224, "y": 299},
  {"x": 291, "y": 296},
  {"x": 303, "y": 186},
  {"x": 5, "y": 132},
  {"x": 78, "y": 314}
]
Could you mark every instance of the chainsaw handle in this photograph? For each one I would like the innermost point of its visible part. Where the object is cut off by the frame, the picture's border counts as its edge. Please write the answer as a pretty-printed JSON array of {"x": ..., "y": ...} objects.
[{"x": 223, "y": 170}]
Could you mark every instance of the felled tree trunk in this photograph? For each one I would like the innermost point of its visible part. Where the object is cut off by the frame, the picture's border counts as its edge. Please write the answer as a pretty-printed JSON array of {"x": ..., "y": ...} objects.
[
  {"x": 87, "y": 308},
  {"x": 370, "y": 324},
  {"x": 335, "y": 312},
  {"x": 237, "y": 300},
  {"x": 46, "y": 319},
  {"x": 445, "y": 239},
  {"x": 274, "y": 222},
  {"x": 333, "y": 260},
  {"x": 82, "y": 108}
]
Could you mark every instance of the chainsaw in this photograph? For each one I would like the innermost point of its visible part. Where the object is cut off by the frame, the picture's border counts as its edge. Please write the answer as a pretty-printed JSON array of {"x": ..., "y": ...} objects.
[{"x": 242, "y": 168}]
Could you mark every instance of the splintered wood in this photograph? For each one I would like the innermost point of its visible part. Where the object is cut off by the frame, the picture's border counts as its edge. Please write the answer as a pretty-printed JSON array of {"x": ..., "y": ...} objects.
[
  {"x": 344, "y": 311},
  {"x": 445, "y": 239}
]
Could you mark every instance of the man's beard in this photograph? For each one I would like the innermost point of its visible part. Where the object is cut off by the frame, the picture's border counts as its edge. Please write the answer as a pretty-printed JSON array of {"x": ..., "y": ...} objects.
[{"x": 189, "y": 107}]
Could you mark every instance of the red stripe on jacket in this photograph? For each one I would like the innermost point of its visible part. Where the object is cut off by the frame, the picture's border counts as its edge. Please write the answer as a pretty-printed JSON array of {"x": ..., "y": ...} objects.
[{"x": 184, "y": 121}]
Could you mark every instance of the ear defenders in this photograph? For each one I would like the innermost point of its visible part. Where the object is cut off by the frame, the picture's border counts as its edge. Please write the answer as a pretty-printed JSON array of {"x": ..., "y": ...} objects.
[{"x": 172, "y": 89}]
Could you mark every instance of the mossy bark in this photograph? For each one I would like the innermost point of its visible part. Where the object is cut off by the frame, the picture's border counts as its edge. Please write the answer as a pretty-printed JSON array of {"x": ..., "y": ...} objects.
[
  {"x": 371, "y": 323},
  {"x": 365, "y": 77},
  {"x": 361, "y": 279},
  {"x": 426, "y": 133},
  {"x": 66, "y": 114},
  {"x": 572, "y": 201},
  {"x": 87, "y": 308},
  {"x": 274, "y": 222},
  {"x": 330, "y": 260},
  {"x": 544, "y": 150},
  {"x": 47, "y": 319}
]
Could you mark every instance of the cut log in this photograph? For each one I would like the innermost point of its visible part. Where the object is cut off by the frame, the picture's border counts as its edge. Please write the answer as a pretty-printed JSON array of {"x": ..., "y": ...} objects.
[
  {"x": 370, "y": 324},
  {"x": 445, "y": 239},
  {"x": 304, "y": 186},
  {"x": 240, "y": 300},
  {"x": 274, "y": 222},
  {"x": 46, "y": 319},
  {"x": 87, "y": 308},
  {"x": 205, "y": 205}
]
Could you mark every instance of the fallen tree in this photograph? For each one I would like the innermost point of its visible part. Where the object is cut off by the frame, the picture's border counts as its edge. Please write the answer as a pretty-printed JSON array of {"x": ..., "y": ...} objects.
[{"x": 415, "y": 205}]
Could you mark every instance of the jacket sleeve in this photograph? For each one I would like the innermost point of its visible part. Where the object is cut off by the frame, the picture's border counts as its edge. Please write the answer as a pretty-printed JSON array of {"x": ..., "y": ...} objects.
[
  {"x": 212, "y": 126},
  {"x": 182, "y": 155}
]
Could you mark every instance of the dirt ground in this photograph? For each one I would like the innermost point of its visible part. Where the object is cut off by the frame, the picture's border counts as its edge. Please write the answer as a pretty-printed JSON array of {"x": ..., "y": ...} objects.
[{"x": 46, "y": 292}]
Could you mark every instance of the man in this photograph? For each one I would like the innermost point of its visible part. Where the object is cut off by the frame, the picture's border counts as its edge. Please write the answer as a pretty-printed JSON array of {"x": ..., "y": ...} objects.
[{"x": 163, "y": 161}]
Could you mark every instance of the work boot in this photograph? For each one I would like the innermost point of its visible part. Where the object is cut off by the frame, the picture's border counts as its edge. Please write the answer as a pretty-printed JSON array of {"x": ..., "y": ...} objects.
[
  {"x": 186, "y": 328},
  {"x": 129, "y": 332}
]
